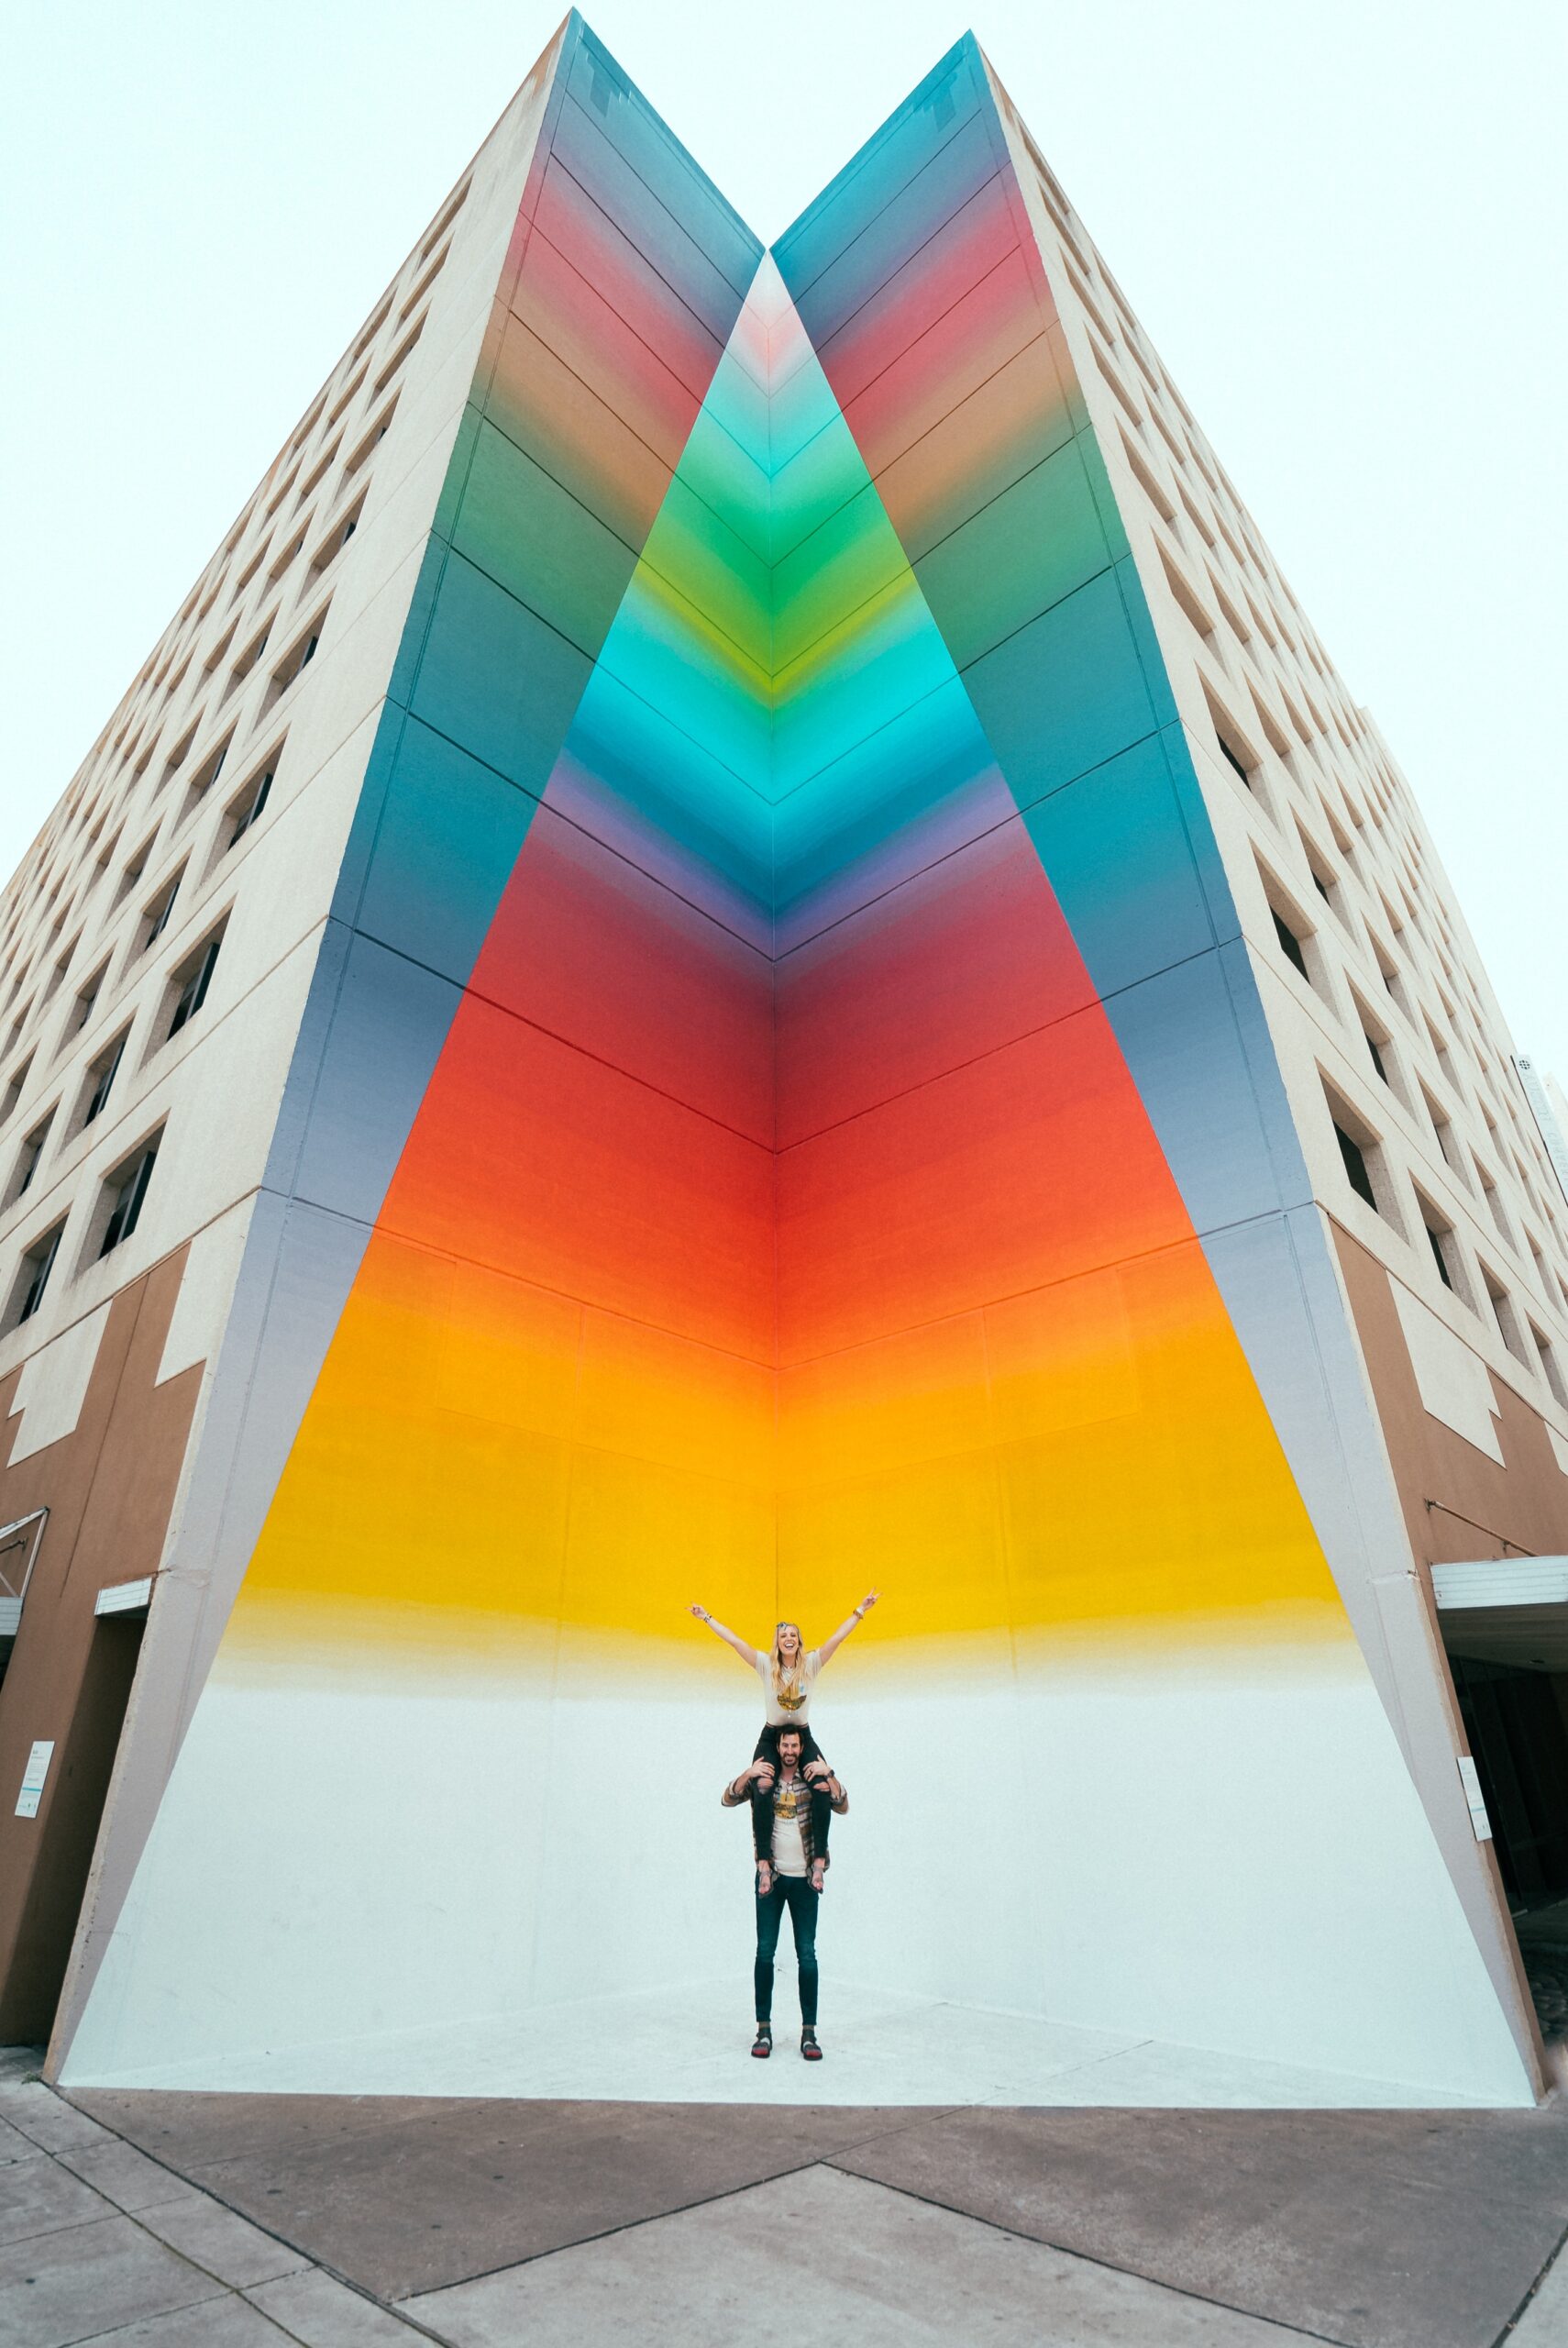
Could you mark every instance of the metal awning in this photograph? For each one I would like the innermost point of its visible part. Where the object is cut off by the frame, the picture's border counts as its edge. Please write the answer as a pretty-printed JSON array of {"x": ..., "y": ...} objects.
[{"x": 1506, "y": 1609}]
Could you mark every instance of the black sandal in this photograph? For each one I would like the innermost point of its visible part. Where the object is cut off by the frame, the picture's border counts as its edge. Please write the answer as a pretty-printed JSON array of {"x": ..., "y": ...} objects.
[
  {"x": 809, "y": 2047},
  {"x": 762, "y": 2046}
]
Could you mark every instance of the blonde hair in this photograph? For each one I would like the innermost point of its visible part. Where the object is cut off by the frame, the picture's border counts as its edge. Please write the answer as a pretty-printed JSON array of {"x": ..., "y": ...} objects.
[{"x": 781, "y": 1677}]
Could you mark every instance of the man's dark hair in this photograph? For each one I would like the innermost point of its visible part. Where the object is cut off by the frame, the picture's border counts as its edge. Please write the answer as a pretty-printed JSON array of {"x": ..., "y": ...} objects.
[{"x": 783, "y": 1732}]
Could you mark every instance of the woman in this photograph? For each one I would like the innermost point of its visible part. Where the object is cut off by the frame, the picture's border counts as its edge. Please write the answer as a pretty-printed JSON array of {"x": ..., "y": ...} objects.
[{"x": 789, "y": 1672}]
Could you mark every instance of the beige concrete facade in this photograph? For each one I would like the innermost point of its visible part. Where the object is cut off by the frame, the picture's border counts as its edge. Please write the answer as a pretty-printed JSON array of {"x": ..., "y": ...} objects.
[
  {"x": 1388, "y": 1026},
  {"x": 212, "y": 811}
]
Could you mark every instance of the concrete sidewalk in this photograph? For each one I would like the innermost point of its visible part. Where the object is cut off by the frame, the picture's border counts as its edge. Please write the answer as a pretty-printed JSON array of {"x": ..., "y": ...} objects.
[{"x": 183, "y": 2220}]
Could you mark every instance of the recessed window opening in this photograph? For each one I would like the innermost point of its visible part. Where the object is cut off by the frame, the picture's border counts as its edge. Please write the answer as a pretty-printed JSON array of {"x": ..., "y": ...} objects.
[
  {"x": 444, "y": 219},
  {"x": 395, "y": 364},
  {"x": 347, "y": 396},
  {"x": 426, "y": 281},
  {"x": 86, "y": 1002},
  {"x": 245, "y": 576},
  {"x": 190, "y": 982},
  {"x": 1355, "y": 1166},
  {"x": 1441, "y": 1239},
  {"x": 285, "y": 561},
  {"x": 15, "y": 1088},
  {"x": 1193, "y": 511},
  {"x": 370, "y": 442},
  {"x": 248, "y": 658},
  {"x": 155, "y": 916},
  {"x": 1231, "y": 751},
  {"x": 1146, "y": 479},
  {"x": 1504, "y": 1314},
  {"x": 319, "y": 472},
  {"x": 1489, "y": 1191},
  {"x": 298, "y": 657},
  {"x": 337, "y": 538},
  {"x": 123, "y": 1194},
  {"x": 1360, "y": 1155},
  {"x": 252, "y": 802},
  {"x": 1550, "y": 1369},
  {"x": 101, "y": 1076},
  {"x": 1289, "y": 944},
  {"x": 205, "y": 776},
  {"x": 32, "y": 1277},
  {"x": 28, "y": 1159},
  {"x": 1117, "y": 388},
  {"x": 1186, "y": 596}
]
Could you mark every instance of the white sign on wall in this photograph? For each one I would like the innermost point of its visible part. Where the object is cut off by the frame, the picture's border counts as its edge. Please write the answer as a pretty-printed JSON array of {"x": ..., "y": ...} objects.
[
  {"x": 33, "y": 1777},
  {"x": 1474, "y": 1795}
]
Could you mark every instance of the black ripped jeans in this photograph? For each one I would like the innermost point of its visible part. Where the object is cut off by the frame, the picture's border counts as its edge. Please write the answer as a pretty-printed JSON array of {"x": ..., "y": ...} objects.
[{"x": 762, "y": 1797}]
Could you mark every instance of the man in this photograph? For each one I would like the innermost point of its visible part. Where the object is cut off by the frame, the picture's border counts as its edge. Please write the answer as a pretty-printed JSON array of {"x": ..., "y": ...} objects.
[{"x": 788, "y": 1877}]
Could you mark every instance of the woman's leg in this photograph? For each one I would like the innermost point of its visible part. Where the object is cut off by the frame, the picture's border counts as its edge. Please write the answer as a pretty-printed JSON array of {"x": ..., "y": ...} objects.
[
  {"x": 762, "y": 1797},
  {"x": 821, "y": 1805}
]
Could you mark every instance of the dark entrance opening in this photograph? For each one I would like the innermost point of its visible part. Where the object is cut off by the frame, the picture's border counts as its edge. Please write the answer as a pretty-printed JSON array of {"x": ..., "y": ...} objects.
[
  {"x": 1517, "y": 1720},
  {"x": 82, "y": 1770}
]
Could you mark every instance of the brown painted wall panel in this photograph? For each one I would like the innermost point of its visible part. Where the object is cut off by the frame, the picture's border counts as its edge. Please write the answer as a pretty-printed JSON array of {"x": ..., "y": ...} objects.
[
  {"x": 109, "y": 1487},
  {"x": 1458, "y": 1503}
]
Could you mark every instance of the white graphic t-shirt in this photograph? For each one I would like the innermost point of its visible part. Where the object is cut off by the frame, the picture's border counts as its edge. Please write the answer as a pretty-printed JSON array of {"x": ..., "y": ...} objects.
[
  {"x": 789, "y": 1802},
  {"x": 794, "y": 1705}
]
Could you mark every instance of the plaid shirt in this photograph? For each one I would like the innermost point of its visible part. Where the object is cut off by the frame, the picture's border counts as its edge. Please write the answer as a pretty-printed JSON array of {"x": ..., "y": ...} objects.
[{"x": 734, "y": 1800}]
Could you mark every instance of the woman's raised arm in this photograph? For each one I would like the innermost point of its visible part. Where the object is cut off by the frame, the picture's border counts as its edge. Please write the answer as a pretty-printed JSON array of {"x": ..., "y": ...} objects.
[
  {"x": 730, "y": 1638},
  {"x": 831, "y": 1647}
]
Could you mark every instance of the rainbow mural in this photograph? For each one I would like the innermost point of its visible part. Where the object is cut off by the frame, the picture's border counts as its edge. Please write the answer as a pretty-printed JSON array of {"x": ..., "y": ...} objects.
[{"x": 789, "y": 1076}]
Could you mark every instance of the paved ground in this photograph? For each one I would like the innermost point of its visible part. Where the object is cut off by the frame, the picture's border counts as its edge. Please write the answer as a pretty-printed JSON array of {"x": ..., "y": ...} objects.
[{"x": 176, "y": 2221}]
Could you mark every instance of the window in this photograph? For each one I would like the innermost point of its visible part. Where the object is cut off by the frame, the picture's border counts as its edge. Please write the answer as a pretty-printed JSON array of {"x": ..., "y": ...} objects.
[
  {"x": 32, "y": 1278},
  {"x": 155, "y": 915},
  {"x": 1444, "y": 1132},
  {"x": 1379, "y": 1047},
  {"x": 87, "y": 1001},
  {"x": 1489, "y": 1191},
  {"x": 101, "y": 1077},
  {"x": 248, "y": 660},
  {"x": 1503, "y": 1314},
  {"x": 288, "y": 558},
  {"x": 1550, "y": 1369},
  {"x": 133, "y": 871},
  {"x": 28, "y": 1159},
  {"x": 191, "y": 980},
  {"x": 332, "y": 546},
  {"x": 1440, "y": 1236},
  {"x": 1361, "y": 1156},
  {"x": 1188, "y": 598},
  {"x": 124, "y": 1193},
  {"x": 1356, "y": 1171},
  {"x": 205, "y": 776},
  {"x": 1232, "y": 753},
  {"x": 318, "y": 473},
  {"x": 14, "y": 1089},
  {"x": 367, "y": 446},
  {"x": 299, "y": 656},
  {"x": 252, "y": 802},
  {"x": 177, "y": 756},
  {"x": 1289, "y": 944},
  {"x": 350, "y": 393}
]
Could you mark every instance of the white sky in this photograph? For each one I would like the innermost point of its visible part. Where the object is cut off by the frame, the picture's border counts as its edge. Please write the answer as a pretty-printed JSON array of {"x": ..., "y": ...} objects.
[{"x": 1342, "y": 225}]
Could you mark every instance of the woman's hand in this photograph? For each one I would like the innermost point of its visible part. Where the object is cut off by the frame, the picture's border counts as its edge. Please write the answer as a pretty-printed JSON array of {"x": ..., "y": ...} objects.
[
  {"x": 702, "y": 1614},
  {"x": 868, "y": 1601}
]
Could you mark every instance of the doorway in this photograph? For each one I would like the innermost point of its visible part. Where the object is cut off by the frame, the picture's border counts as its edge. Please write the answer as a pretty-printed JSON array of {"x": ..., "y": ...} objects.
[
  {"x": 1505, "y": 1626},
  {"x": 81, "y": 1766}
]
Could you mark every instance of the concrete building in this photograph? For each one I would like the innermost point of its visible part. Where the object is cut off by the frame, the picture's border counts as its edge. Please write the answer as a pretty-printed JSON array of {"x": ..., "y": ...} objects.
[{"x": 740, "y": 944}]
